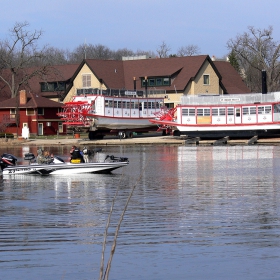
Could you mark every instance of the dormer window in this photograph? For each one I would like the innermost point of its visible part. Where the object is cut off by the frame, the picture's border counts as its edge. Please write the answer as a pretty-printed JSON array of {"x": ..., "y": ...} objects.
[
  {"x": 156, "y": 81},
  {"x": 53, "y": 86}
]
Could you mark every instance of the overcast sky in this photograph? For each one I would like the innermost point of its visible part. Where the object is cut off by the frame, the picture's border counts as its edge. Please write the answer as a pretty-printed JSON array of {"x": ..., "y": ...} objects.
[{"x": 141, "y": 24}]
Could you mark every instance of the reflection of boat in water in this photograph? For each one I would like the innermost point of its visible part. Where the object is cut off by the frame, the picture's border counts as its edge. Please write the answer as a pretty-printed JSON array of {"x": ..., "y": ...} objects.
[{"x": 59, "y": 167}]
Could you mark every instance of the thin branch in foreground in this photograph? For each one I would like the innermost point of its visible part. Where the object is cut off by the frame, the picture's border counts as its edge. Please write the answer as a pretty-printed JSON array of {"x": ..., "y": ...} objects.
[
  {"x": 113, "y": 248},
  {"x": 106, "y": 234}
]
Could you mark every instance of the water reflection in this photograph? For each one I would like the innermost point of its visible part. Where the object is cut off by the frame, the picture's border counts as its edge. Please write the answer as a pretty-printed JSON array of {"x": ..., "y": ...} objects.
[{"x": 196, "y": 213}]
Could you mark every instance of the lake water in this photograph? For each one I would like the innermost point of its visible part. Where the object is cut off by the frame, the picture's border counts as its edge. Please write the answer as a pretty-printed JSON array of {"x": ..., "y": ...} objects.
[{"x": 196, "y": 213}]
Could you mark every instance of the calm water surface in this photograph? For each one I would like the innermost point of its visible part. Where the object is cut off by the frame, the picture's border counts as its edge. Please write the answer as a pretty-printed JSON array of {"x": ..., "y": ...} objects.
[{"x": 196, "y": 213}]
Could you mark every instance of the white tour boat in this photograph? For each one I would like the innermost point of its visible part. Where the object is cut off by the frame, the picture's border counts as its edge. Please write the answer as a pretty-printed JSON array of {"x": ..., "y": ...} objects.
[
  {"x": 218, "y": 116},
  {"x": 120, "y": 113},
  {"x": 108, "y": 163}
]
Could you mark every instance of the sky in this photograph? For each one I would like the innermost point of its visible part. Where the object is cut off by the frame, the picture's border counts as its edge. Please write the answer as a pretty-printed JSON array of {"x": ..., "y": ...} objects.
[{"x": 141, "y": 25}]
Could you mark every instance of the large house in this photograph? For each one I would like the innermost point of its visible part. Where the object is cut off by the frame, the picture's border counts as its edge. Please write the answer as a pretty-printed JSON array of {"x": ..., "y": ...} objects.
[{"x": 166, "y": 77}]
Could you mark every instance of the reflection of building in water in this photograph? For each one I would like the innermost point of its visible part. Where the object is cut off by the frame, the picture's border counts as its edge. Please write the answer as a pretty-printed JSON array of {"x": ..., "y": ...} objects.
[{"x": 232, "y": 165}]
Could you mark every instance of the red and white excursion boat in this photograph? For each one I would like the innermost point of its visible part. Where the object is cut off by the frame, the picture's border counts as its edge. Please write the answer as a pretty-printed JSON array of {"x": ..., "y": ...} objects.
[
  {"x": 218, "y": 116},
  {"x": 121, "y": 113}
]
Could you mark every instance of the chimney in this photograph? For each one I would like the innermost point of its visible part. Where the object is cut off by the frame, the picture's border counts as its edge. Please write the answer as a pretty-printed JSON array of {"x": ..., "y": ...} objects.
[
  {"x": 264, "y": 85},
  {"x": 22, "y": 97}
]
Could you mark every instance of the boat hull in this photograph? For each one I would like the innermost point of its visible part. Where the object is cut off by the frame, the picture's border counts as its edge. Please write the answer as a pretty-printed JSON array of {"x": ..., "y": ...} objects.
[
  {"x": 234, "y": 132},
  {"x": 64, "y": 168}
]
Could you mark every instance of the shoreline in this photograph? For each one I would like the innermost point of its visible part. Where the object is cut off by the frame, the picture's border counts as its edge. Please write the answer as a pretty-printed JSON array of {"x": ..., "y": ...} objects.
[{"x": 150, "y": 140}]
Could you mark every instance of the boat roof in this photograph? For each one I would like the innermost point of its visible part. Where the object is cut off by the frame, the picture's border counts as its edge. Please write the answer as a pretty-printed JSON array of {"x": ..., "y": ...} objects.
[{"x": 226, "y": 99}]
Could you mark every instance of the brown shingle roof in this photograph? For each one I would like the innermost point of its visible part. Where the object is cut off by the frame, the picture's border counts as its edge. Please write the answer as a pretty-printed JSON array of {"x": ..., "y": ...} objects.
[
  {"x": 120, "y": 74},
  {"x": 33, "y": 101},
  {"x": 57, "y": 73},
  {"x": 231, "y": 80}
]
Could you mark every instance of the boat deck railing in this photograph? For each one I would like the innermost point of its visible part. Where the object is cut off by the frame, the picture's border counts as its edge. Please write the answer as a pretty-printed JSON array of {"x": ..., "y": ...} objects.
[
  {"x": 121, "y": 92},
  {"x": 247, "y": 98}
]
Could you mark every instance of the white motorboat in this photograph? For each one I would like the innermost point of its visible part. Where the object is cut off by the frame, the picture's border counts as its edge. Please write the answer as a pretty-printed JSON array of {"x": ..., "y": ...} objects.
[{"x": 9, "y": 166}]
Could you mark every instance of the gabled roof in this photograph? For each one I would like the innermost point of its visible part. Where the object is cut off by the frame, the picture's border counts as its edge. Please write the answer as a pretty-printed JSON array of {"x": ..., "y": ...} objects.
[
  {"x": 231, "y": 80},
  {"x": 182, "y": 69},
  {"x": 33, "y": 101},
  {"x": 120, "y": 74}
]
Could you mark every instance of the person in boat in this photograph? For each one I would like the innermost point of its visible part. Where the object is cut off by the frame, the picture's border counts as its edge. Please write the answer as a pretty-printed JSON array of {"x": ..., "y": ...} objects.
[
  {"x": 44, "y": 157},
  {"x": 76, "y": 154},
  {"x": 85, "y": 154}
]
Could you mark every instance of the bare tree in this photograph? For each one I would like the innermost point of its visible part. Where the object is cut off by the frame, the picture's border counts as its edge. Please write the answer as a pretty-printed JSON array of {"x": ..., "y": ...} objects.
[
  {"x": 256, "y": 51},
  {"x": 189, "y": 50},
  {"x": 163, "y": 50},
  {"x": 89, "y": 51},
  {"x": 18, "y": 56},
  {"x": 55, "y": 56},
  {"x": 122, "y": 52}
]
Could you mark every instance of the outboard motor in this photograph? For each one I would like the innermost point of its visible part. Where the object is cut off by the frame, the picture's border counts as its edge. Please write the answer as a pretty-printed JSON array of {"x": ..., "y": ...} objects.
[{"x": 6, "y": 160}]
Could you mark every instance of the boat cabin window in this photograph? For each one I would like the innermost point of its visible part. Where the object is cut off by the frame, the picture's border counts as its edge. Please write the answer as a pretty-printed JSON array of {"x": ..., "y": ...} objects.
[
  {"x": 253, "y": 110},
  {"x": 218, "y": 111},
  {"x": 249, "y": 110},
  {"x": 264, "y": 110},
  {"x": 117, "y": 104},
  {"x": 267, "y": 109},
  {"x": 203, "y": 111},
  {"x": 230, "y": 111},
  {"x": 215, "y": 112},
  {"x": 108, "y": 103},
  {"x": 188, "y": 112},
  {"x": 261, "y": 110},
  {"x": 277, "y": 108},
  {"x": 245, "y": 111}
]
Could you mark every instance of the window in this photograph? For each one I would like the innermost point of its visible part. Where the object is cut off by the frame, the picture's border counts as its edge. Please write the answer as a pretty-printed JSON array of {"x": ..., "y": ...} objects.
[
  {"x": 249, "y": 110},
  {"x": 237, "y": 112},
  {"x": 188, "y": 112},
  {"x": 267, "y": 109},
  {"x": 215, "y": 112},
  {"x": 60, "y": 127},
  {"x": 40, "y": 111},
  {"x": 86, "y": 80},
  {"x": 203, "y": 111},
  {"x": 30, "y": 112},
  {"x": 166, "y": 82},
  {"x": 159, "y": 81},
  {"x": 245, "y": 111},
  {"x": 206, "y": 80},
  {"x": 230, "y": 111},
  {"x": 12, "y": 113},
  {"x": 252, "y": 110},
  {"x": 54, "y": 86},
  {"x": 152, "y": 82}
]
